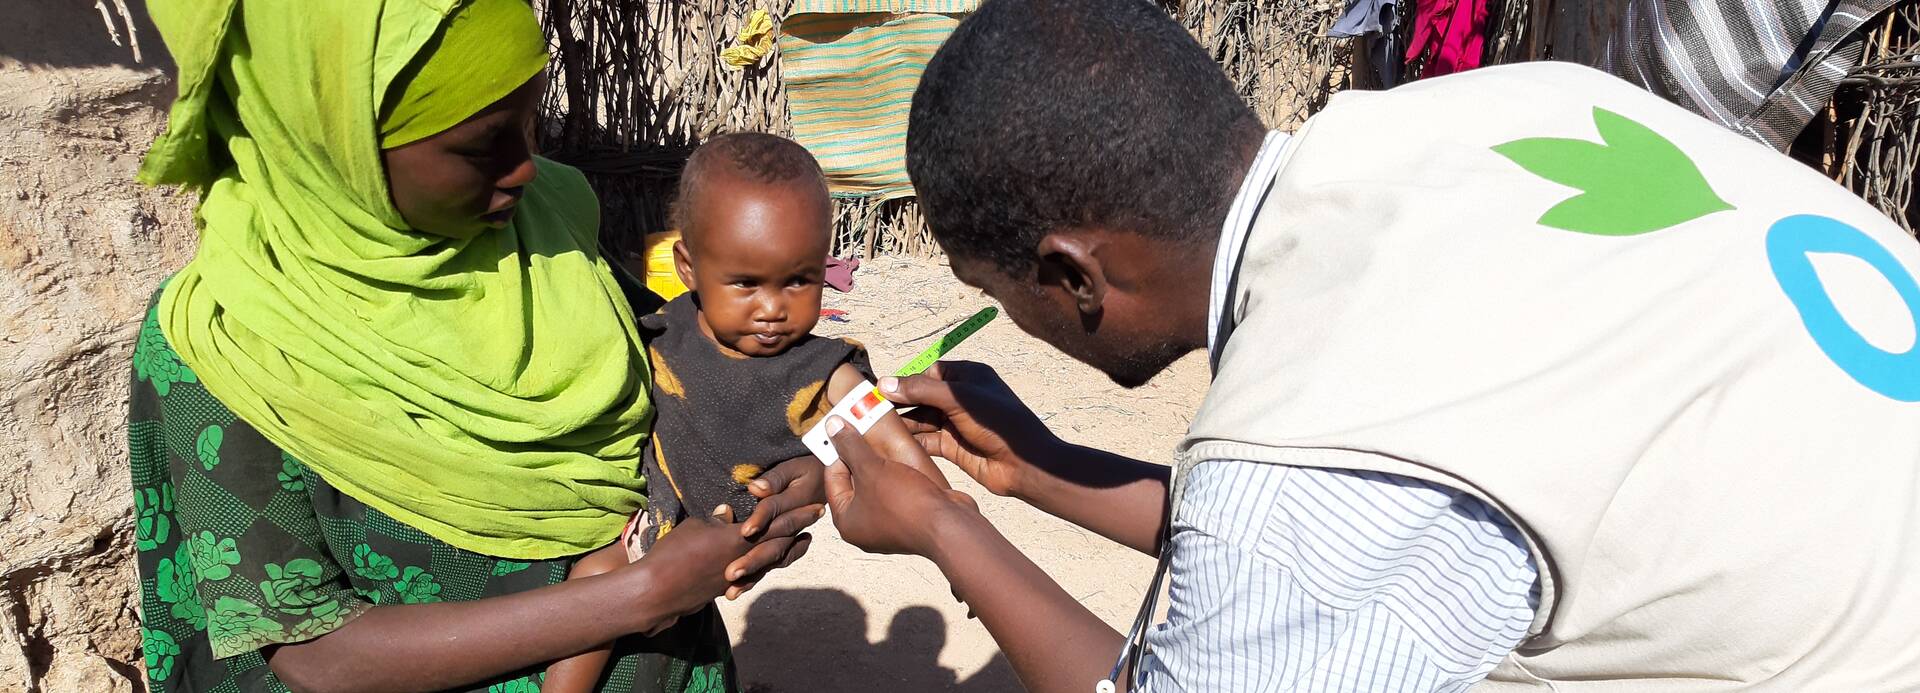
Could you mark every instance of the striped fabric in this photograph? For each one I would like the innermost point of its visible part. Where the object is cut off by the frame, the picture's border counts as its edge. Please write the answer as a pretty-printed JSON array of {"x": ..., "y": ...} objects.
[
  {"x": 1759, "y": 67},
  {"x": 1301, "y": 579},
  {"x": 1298, "y": 579},
  {"x": 850, "y": 68}
]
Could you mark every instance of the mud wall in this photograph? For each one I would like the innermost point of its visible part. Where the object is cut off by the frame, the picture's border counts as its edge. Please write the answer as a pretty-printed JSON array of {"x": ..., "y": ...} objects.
[{"x": 81, "y": 247}]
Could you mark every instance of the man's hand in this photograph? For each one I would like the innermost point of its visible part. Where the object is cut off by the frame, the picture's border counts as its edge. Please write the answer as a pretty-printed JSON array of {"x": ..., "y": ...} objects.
[
  {"x": 884, "y": 506},
  {"x": 967, "y": 414}
]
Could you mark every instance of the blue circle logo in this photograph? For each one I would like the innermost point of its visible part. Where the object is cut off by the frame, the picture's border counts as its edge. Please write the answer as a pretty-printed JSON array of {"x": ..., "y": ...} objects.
[{"x": 1788, "y": 243}]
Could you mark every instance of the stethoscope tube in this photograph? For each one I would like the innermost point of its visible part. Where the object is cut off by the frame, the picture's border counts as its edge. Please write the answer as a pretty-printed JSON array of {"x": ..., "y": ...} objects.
[{"x": 1128, "y": 663}]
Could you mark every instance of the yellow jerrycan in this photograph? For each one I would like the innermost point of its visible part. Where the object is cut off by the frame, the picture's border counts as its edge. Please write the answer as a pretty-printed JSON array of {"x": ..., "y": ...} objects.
[{"x": 661, "y": 279}]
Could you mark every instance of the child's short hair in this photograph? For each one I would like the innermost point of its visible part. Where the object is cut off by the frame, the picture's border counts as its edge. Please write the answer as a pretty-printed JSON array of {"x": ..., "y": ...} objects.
[{"x": 751, "y": 156}]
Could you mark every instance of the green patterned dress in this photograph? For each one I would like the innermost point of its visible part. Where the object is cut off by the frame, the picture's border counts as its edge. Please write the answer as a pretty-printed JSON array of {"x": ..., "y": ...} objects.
[{"x": 242, "y": 547}]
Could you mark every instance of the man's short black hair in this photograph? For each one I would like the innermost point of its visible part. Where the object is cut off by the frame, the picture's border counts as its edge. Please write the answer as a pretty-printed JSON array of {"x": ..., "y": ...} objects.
[
  {"x": 755, "y": 157},
  {"x": 1043, "y": 114}
]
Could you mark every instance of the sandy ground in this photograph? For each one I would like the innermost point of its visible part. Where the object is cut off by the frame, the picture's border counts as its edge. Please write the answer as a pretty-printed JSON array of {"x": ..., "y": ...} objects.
[{"x": 842, "y": 620}]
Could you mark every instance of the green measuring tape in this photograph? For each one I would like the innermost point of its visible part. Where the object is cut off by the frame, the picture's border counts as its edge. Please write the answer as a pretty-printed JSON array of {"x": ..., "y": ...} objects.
[{"x": 948, "y": 341}]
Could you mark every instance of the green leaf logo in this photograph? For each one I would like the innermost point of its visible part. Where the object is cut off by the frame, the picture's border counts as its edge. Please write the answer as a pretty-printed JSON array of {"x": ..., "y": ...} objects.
[
  {"x": 1631, "y": 182},
  {"x": 155, "y": 361}
]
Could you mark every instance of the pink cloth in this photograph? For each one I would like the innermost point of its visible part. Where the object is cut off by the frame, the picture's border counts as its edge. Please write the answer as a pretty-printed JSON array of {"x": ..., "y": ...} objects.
[
  {"x": 1451, "y": 32},
  {"x": 840, "y": 273}
]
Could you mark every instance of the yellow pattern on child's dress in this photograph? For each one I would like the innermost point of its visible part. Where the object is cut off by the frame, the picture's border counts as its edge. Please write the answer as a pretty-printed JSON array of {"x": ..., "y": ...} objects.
[
  {"x": 663, "y": 376},
  {"x": 744, "y": 474},
  {"x": 805, "y": 409},
  {"x": 661, "y": 456}
]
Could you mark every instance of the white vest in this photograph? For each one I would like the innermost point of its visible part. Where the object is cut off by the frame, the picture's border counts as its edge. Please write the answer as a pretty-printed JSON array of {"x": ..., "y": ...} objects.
[{"x": 1718, "y": 474}]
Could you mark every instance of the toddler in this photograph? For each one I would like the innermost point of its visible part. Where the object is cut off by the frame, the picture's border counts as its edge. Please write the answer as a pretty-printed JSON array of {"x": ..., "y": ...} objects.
[{"x": 738, "y": 375}]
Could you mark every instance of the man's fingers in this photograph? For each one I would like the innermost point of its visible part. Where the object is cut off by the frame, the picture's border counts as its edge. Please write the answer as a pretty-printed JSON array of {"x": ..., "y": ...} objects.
[
  {"x": 839, "y": 489},
  {"x": 923, "y": 419},
  {"x": 853, "y": 448},
  {"x": 965, "y": 371},
  {"x": 930, "y": 443},
  {"x": 919, "y": 391}
]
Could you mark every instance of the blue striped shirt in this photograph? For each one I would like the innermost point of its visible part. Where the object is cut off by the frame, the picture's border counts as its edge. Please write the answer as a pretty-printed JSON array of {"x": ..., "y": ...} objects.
[{"x": 1299, "y": 579}]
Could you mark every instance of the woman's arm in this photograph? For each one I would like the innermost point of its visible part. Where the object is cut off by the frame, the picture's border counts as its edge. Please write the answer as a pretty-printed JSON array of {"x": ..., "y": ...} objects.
[
  {"x": 1054, "y": 644},
  {"x": 581, "y": 672},
  {"x": 435, "y": 646}
]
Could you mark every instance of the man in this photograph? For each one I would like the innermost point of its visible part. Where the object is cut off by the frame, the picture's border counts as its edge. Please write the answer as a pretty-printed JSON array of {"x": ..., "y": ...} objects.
[{"x": 1522, "y": 376}]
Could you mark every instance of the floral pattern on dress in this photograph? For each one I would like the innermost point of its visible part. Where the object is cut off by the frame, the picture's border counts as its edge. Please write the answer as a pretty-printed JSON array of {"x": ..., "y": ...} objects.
[{"x": 242, "y": 546}]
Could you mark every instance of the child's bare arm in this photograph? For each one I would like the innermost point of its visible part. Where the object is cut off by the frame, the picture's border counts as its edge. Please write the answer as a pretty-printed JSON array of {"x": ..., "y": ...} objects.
[
  {"x": 889, "y": 436},
  {"x": 581, "y": 673}
]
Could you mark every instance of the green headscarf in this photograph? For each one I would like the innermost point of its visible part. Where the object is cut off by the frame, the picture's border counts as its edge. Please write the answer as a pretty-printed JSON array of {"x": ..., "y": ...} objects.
[
  {"x": 487, "y": 49},
  {"x": 490, "y": 391}
]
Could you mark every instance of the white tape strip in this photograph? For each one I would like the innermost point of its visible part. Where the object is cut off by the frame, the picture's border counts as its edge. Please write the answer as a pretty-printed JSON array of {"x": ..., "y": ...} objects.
[{"x": 863, "y": 406}]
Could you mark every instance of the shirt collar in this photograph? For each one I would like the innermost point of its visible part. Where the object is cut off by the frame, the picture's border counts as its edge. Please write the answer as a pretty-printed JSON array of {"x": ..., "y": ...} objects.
[{"x": 1233, "y": 235}]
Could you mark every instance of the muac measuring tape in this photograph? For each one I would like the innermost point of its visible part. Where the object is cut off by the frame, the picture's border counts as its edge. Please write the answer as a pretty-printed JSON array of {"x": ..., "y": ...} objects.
[{"x": 863, "y": 406}]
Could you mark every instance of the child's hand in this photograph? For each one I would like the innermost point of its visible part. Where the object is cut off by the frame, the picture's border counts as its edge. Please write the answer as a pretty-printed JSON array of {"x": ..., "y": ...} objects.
[{"x": 886, "y": 506}]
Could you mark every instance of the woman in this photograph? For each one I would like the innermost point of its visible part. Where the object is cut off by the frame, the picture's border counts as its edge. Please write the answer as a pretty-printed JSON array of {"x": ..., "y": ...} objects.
[{"x": 398, "y": 389}]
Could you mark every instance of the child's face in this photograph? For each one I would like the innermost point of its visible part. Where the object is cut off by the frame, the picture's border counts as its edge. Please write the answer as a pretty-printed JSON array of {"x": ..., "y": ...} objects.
[{"x": 756, "y": 262}]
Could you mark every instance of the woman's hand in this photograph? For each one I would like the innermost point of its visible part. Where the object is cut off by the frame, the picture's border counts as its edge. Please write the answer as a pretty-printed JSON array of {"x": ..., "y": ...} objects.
[
  {"x": 969, "y": 416},
  {"x": 687, "y": 568},
  {"x": 792, "y": 497},
  {"x": 887, "y": 506}
]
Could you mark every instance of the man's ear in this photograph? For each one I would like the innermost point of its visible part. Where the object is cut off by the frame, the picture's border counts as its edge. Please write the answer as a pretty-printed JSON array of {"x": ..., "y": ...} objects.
[
  {"x": 1071, "y": 263},
  {"x": 683, "y": 263}
]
